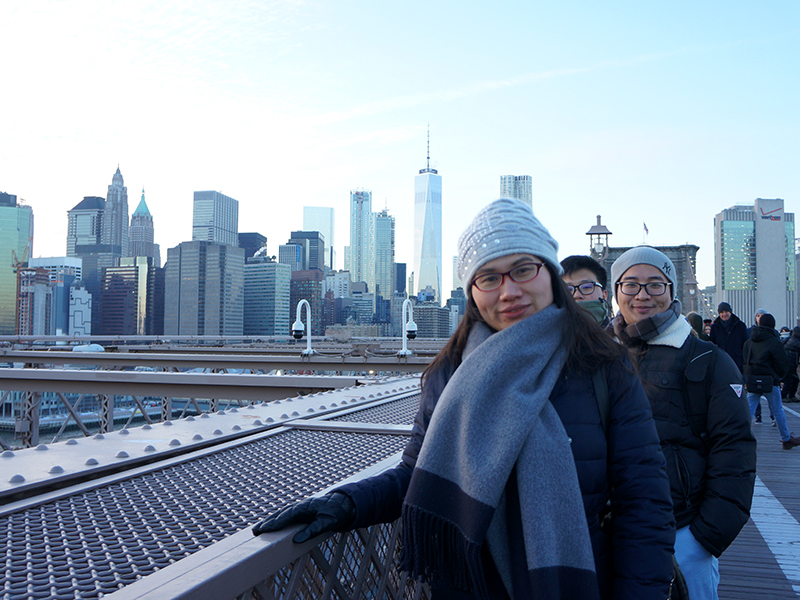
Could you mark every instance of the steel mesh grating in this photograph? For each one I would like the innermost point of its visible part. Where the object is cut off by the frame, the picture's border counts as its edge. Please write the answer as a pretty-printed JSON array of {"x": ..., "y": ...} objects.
[
  {"x": 399, "y": 412},
  {"x": 95, "y": 542}
]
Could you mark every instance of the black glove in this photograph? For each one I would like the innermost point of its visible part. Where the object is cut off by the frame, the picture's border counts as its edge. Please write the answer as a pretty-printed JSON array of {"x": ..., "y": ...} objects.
[{"x": 332, "y": 512}]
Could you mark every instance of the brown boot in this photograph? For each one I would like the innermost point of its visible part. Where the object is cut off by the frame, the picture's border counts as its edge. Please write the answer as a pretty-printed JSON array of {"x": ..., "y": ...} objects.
[{"x": 791, "y": 443}]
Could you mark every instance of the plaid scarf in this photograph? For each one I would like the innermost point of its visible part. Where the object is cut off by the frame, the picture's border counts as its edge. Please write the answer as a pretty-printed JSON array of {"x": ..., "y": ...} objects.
[
  {"x": 636, "y": 334},
  {"x": 493, "y": 414}
]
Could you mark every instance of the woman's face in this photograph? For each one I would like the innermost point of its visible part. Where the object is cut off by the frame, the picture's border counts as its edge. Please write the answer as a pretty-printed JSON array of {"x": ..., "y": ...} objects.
[{"x": 512, "y": 302}]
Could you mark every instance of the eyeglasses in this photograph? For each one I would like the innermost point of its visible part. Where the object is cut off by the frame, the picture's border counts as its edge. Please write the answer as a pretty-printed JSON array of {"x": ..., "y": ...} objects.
[
  {"x": 520, "y": 274},
  {"x": 585, "y": 288},
  {"x": 654, "y": 288}
]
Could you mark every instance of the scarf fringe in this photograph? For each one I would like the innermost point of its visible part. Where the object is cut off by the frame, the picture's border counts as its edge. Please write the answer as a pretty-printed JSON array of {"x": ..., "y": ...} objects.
[{"x": 433, "y": 549}]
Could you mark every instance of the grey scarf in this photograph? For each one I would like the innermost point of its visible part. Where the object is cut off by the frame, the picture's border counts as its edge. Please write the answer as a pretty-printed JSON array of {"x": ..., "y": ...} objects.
[
  {"x": 493, "y": 414},
  {"x": 645, "y": 330}
]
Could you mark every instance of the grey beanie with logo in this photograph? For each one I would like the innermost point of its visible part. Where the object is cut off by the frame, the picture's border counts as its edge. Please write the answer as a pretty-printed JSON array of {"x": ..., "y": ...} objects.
[
  {"x": 644, "y": 255},
  {"x": 506, "y": 226}
]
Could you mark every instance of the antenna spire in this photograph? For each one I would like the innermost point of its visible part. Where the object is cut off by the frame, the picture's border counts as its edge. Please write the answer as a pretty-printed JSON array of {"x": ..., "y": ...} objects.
[{"x": 429, "y": 145}]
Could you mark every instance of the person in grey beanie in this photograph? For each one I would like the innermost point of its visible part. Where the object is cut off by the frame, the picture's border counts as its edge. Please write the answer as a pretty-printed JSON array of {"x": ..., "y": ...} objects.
[
  {"x": 509, "y": 468},
  {"x": 701, "y": 415}
]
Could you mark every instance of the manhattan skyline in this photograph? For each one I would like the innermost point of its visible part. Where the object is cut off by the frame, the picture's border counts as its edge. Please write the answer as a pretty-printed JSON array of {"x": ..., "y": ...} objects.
[{"x": 662, "y": 115}]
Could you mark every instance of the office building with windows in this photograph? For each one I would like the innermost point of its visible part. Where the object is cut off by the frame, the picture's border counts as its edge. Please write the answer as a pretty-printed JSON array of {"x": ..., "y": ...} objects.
[
  {"x": 142, "y": 234},
  {"x": 517, "y": 186},
  {"x": 383, "y": 253},
  {"x": 16, "y": 240},
  {"x": 359, "y": 253},
  {"x": 215, "y": 218},
  {"x": 62, "y": 272},
  {"x": 132, "y": 296},
  {"x": 252, "y": 243},
  {"x": 755, "y": 260},
  {"x": 428, "y": 230},
  {"x": 313, "y": 243},
  {"x": 266, "y": 296},
  {"x": 321, "y": 218},
  {"x": 115, "y": 231},
  {"x": 204, "y": 289}
]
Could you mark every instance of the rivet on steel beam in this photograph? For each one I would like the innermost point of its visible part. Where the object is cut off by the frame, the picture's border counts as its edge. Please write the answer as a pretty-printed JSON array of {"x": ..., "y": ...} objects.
[
  {"x": 284, "y": 416},
  {"x": 220, "y": 412},
  {"x": 99, "y": 436},
  {"x": 270, "y": 420},
  {"x": 146, "y": 427},
  {"x": 295, "y": 414},
  {"x": 379, "y": 394},
  {"x": 371, "y": 396},
  {"x": 174, "y": 442},
  {"x": 55, "y": 469},
  {"x": 310, "y": 410},
  {"x": 72, "y": 442},
  {"x": 196, "y": 437},
  {"x": 41, "y": 448},
  {"x": 90, "y": 462},
  {"x": 149, "y": 448},
  {"x": 167, "y": 423},
  {"x": 277, "y": 402},
  {"x": 236, "y": 428},
  {"x": 16, "y": 479},
  {"x": 190, "y": 418},
  {"x": 257, "y": 422},
  {"x": 204, "y": 416},
  {"x": 124, "y": 432},
  {"x": 251, "y": 406},
  {"x": 216, "y": 432},
  {"x": 234, "y": 410},
  {"x": 121, "y": 454},
  {"x": 333, "y": 404},
  {"x": 7, "y": 454}
]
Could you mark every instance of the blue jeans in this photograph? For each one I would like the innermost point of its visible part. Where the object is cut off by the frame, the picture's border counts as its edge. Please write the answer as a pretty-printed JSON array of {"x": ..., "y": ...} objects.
[
  {"x": 700, "y": 568},
  {"x": 775, "y": 407}
]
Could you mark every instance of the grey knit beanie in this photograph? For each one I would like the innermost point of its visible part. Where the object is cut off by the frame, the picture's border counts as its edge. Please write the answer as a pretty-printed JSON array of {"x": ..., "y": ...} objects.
[
  {"x": 504, "y": 227},
  {"x": 644, "y": 255}
]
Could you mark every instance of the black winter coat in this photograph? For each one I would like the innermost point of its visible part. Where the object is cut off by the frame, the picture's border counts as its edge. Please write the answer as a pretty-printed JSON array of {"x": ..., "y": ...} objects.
[
  {"x": 638, "y": 564},
  {"x": 712, "y": 480},
  {"x": 730, "y": 339},
  {"x": 764, "y": 354}
]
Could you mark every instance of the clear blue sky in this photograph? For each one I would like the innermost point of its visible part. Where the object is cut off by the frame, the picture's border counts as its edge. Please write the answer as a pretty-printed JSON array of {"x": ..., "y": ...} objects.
[{"x": 662, "y": 113}]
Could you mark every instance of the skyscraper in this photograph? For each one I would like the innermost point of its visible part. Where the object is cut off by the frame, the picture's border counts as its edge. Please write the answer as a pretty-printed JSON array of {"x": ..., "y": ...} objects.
[
  {"x": 63, "y": 271},
  {"x": 266, "y": 296},
  {"x": 313, "y": 243},
  {"x": 132, "y": 297},
  {"x": 115, "y": 217},
  {"x": 359, "y": 254},
  {"x": 142, "y": 234},
  {"x": 16, "y": 234},
  {"x": 320, "y": 218},
  {"x": 204, "y": 289},
  {"x": 383, "y": 244},
  {"x": 754, "y": 260},
  {"x": 517, "y": 186},
  {"x": 251, "y": 243},
  {"x": 428, "y": 230},
  {"x": 215, "y": 218},
  {"x": 85, "y": 223}
]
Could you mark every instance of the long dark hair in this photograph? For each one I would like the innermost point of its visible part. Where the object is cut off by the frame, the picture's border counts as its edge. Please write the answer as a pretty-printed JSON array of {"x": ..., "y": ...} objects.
[{"x": 589, "y": 346}]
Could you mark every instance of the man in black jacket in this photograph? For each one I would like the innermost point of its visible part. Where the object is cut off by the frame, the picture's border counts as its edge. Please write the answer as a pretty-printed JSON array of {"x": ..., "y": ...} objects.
[
  {"x": 699, "y": 409},
  {"x": 764, "y": 357},
  {"x": 729, "y": 333},
  {"x": 790, "y": 381}
]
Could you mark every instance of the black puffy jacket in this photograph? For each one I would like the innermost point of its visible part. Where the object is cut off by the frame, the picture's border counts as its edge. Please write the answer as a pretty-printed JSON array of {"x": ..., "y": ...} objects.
[
  {"x": 764, "y": 354},
  {"x": 712, "y": 479},
  {"x": 638, "y": 565},
  {"x": 730, "y": 338}
]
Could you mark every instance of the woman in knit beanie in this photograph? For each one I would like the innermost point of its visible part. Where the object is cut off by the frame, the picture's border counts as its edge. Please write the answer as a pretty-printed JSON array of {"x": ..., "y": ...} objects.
[{"x": 511, "y": 462}]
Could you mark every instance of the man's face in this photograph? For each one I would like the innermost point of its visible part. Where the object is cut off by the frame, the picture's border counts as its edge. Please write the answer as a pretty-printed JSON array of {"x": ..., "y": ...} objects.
[
  {"x": 584, "y": 278},
  {"x": 726, "y": 314},
  {"x": 642, "y": 304}
]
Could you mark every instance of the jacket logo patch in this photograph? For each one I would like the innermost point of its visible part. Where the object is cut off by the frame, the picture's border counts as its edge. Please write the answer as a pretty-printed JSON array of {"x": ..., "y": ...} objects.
[{"x": 737, "y": 387}]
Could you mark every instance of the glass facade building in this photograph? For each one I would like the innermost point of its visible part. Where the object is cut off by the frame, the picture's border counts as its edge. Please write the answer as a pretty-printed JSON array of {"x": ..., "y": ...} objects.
[
  {"x": 215, "y": 218},
  {"x": 755, "y": 260},
  {"x": 321, "y": 218},
  {"x": 266, "y": 297},
  {"x": 360, "y": 252},
  {"x": 428, "y": 231},
  {"x": 132, "y": 296},
  {"x": 16, "y": 239},
  {"x": 383, "y": 242}
]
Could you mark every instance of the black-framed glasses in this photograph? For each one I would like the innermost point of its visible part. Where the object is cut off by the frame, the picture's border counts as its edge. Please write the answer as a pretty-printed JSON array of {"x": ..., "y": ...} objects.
[
  {"x": 653, "y": 288},
  {"x": 488, "y": 282},
  {"x": 585, "y": 288}
]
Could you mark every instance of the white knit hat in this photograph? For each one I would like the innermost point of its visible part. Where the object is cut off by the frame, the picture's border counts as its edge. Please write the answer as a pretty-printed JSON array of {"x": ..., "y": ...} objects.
[{"x": 506, "y": 226}]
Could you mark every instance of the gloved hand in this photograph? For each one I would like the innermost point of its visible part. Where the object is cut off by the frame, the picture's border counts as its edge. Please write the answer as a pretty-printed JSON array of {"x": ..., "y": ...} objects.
[{"x": 332, "y": 512}]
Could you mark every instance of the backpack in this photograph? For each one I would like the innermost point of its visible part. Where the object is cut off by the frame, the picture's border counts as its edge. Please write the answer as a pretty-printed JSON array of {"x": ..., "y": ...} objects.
[{"x": 702, "y": 359}]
